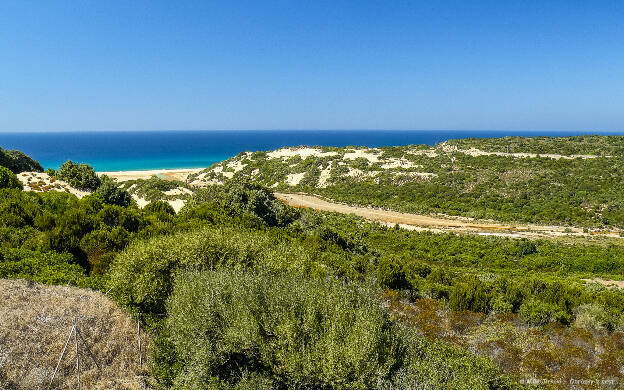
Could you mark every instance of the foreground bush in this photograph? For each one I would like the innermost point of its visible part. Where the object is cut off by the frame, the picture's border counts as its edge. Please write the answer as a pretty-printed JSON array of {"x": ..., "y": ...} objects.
[
  {"x": 259, "y": 330},
  {"x": 142, "y": 275}
]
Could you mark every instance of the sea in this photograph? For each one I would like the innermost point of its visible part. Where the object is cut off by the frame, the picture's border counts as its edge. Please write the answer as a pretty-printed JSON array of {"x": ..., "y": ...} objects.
[{"x": 142, "y": 150}]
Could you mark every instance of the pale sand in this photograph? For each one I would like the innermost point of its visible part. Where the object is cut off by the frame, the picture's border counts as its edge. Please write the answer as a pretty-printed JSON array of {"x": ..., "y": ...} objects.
[
  {"x": 293, "y": 179},
  {"x": 42, "y": 182},
  {"x": 301, "y": 152},
  {"x": 369, "y": 154},
  {"x": 167, "y": 174},
  {"x": 474, "y": 152}
]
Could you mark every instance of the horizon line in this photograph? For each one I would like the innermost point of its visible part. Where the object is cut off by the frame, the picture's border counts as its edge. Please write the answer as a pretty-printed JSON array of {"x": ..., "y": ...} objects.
[{"x": 304, "y": 129}]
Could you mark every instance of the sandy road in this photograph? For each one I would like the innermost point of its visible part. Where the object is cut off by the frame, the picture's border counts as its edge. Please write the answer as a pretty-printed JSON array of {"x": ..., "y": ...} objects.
[{"x": 426, "y": 222}]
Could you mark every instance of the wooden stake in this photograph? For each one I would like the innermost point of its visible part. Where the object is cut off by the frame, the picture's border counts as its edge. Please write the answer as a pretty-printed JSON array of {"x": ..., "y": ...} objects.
[
  {"x": 139, "y": 339},
  {"x": 77, "y": 355},
  {"x": 62, "y": 354}
]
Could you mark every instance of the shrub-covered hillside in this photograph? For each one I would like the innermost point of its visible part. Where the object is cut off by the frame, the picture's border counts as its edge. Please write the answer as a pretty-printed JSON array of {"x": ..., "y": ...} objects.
[
  {"x": 565, "y": 181},
  {"x": 239, "y": 290}
]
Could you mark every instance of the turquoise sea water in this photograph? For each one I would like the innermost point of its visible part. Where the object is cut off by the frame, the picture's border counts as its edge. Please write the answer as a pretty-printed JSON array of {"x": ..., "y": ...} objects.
[{"x": 128, "y": 150}]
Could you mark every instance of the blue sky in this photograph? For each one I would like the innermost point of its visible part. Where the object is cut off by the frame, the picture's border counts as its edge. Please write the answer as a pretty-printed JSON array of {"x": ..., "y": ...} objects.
[{"x": 149, "y": 65}]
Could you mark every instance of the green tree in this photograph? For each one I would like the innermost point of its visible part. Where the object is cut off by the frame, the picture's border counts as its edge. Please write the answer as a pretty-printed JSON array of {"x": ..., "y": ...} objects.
[
  {"x": 8, "y": 179},
  {"x": 18, "y": 161},
  {"x": 111, "y": 193},
  {"x": 81, "y": 176}
]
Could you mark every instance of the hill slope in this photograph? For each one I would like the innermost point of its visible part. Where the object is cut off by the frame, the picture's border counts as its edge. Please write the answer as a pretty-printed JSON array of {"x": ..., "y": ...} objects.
[{"x": 510, "y": 179}]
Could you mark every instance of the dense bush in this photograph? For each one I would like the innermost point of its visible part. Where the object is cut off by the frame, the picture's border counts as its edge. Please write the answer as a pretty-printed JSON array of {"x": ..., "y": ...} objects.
[
  {"x": 390, "y": 275},
  {"x": 536, "y": 312},
  {"x": 8, "y": 179},
  {"x": 87, "y": 229},
  {"x": 470, "y": 295},
  {"x": 111, "y": 194},
  {"x": 293, "y": 331},
  {"x": 81, "y": 176},
  {"x": 142, "y": 275},
  {"x": 42, "y": 267},
  {"x": 159, "y": 207},
  {"x": 593, "y": 317},
  {"x": 244, "y": 198},
  {"x": 231, "y": 329}
]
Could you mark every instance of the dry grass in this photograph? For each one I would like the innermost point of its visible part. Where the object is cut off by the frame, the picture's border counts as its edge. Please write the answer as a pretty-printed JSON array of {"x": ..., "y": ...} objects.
[{"x": 35, "y": 321}]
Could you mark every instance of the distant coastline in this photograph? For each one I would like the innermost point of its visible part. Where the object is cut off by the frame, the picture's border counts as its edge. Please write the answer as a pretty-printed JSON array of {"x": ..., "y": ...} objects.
[{"x": 158, "y": 150}]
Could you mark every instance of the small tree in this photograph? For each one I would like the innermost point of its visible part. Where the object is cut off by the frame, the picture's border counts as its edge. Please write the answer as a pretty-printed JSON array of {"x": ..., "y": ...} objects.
[
  {"x": 81, "y": 176},
  {"x": 159, "y": 207},
  {"x": 111, "y": 194},
  {"x": 8, "y": 179}
]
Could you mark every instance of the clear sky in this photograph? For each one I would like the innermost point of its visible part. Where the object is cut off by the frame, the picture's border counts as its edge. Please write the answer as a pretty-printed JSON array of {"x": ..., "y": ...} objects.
[{"x": 149, "y": 65}]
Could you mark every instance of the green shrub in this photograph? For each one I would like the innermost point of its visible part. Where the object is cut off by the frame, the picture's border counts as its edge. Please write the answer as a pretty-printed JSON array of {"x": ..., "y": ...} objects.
[
  {"x": 113, "y": 216},
  {"x": 142, "y": 275},
  {"x": 81, "y": 176},
  {"x": 100, "y": 247},
  {"x": 13, "y": 214},
  {"x": 593, "y": 317},
  {"x": 471, "y": 295},
  {"x": 301, "y": 333},
  {"x": 536, "y": 312},
  {"x": 500, "y": 305},
  {"x": 8, "y": 179},
  {"x": 41, "y": 267},
  {"x": 159, "y": 207},
  {"x": 525, "y": 247},
  {"x": 390, "y": 274},
  {"x": 111, "y": 193},
  {"x": 230, "y": 329},
  {"x": 245, "y": 198}
]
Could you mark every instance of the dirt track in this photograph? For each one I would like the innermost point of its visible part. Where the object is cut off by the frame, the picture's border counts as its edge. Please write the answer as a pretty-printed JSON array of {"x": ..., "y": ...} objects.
[{"x": 416, "y": 221}]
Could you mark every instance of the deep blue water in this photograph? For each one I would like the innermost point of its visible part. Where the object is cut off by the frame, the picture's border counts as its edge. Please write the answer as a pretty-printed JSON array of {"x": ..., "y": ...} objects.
[{"x": 116, "y": 151}]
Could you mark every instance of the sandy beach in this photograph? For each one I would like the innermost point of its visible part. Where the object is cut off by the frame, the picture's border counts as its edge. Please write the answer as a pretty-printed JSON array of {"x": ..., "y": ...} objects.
[{"x": 166, "y": 174}]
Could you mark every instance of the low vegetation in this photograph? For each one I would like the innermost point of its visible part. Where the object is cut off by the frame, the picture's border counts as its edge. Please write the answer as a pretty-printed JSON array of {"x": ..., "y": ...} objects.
[{"x": 8, "y": 179}]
